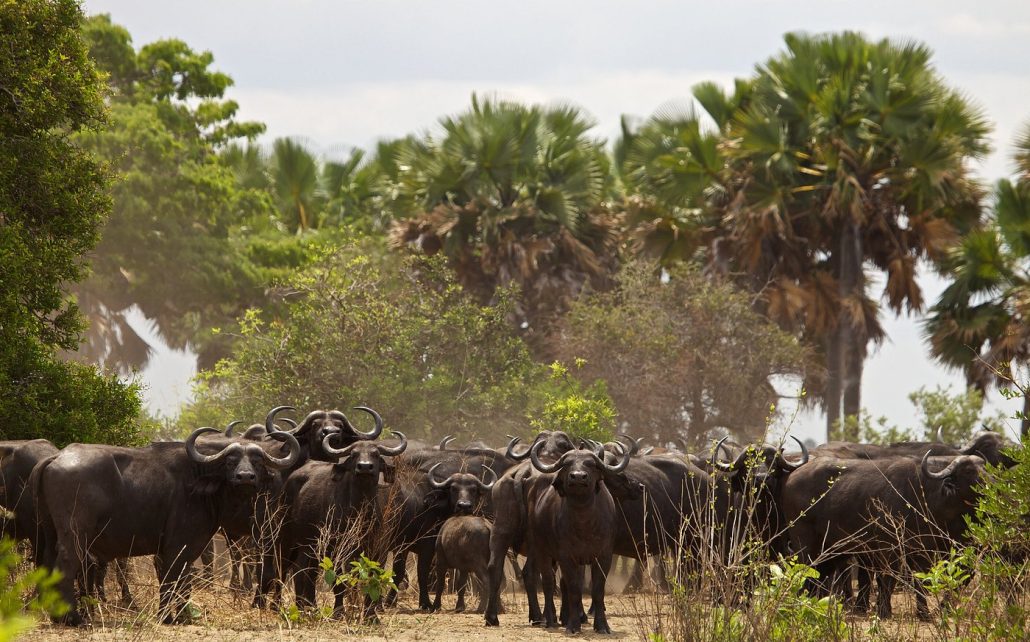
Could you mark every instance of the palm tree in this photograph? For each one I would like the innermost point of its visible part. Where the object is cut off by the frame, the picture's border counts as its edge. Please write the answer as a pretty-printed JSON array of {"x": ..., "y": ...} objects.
[
  {"x": 293, "y": 172},
  {"x": 511, "y": 194},
  {"x": 838, "y": 157},
  {"x": 981, "y": 322}
]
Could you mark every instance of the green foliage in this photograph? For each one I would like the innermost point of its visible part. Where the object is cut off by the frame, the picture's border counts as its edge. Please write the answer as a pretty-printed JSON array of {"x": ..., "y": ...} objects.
[
  {"x": 862, "y": 428},
  {"x": 959, "y": 415},
  {"x": 359, "y": 326},
  {"x": 174, "y": 203},
  {"x": 797, "y": 615},
  {"x": 582, "y": 412},
  {"x": 511, "y": 194},
  {"x": 367, "y": 575},
  {"x": 52, "y": 203},
  {"x": 16, "y": 616},
  {"x": 692, "y": 346}
]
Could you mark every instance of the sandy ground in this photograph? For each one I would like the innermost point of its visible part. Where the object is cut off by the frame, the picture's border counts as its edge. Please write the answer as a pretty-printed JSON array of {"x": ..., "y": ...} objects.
[{"x": 228, "y": 616}]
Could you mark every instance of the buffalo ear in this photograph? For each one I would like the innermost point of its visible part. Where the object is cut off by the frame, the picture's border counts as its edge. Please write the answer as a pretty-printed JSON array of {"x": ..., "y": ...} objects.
[
  {"x": 389, "y": 473},
  {"x": 339, "y": 470},
  {"x": 949, "y": 487},
  {"x": 559, "y": 483},
  {"x": 621, "y": 486}
]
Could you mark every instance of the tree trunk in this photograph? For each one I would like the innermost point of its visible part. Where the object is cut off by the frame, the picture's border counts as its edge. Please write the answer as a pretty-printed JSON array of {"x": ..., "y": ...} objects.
[
  {"x": 851, "y": 283},
  {"x": 832, "y": 392}
]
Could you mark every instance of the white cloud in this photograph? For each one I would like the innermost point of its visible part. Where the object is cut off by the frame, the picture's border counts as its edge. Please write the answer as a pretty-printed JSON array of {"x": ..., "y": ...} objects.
[
  {"x": 970, "y": 26},
  {"x": 359, "y": 114}
]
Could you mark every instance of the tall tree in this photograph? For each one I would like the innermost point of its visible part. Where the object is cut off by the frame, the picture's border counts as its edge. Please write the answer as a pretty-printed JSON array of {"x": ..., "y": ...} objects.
[
  {"x": 979, "y": 323},
  {"x": 512, "y": 194},
  {"x": 53, "y": 202},
  {"x": 175, "y": 204},
  {"x": 839, "y": 156}
]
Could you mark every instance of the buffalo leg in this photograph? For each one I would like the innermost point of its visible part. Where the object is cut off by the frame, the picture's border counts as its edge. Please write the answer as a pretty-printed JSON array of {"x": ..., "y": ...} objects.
[
  {"x": 440, "y": 582},
  {"x": 70, "y": 564},
  {"x": 425, "y": 568},
  {"x": 863, "y": 595},
  {"x": 529, "y": 581},
  {"x": 304, "y": 572},
  {"x": 174, "y": 577},
  {"x": 461, "y": 580},
  {"x": 885, "y": 590},
  {"x": 121, "y": 572},
  {"x": 547, "y": 584},
  {"x": 572, "y": 595},
  {"x": 598, "y": 575}
]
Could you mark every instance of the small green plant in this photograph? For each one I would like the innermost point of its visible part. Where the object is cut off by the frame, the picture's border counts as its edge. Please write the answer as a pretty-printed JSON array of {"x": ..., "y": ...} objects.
[
  {"x": 366, "y": 575},
  {"x": 17, "y": 616},
  {"x": 795, "y": 615},
  {"x": 584, "y": 412}
]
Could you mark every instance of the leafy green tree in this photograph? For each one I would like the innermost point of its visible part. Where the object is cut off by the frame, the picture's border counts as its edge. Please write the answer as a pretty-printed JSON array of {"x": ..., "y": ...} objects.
[
  {"x": 958, "y": 415},
  {"x": 53, "y": 202},
  {"x": 978, "y": 323},
  {"x": 681, "y": 356},
  {"x": 512, "y": 195},
  {"x": 362, "y": 326},
  {"x": 168, "y": 247}
]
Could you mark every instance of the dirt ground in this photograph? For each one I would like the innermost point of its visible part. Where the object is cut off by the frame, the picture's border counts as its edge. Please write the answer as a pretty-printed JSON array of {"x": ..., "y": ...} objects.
[{"x": 225, "y": 615}]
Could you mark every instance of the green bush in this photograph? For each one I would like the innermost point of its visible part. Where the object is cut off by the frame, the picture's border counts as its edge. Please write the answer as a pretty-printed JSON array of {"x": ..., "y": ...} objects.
[
  {"x": 583, "y": 412},
  {"x": 398, "y": 335},
  {"x": 16, "y": 616}
]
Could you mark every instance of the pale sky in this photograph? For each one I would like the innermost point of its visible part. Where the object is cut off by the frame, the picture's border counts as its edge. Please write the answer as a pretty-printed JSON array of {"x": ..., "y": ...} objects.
[{"x": 342, "y": 74}]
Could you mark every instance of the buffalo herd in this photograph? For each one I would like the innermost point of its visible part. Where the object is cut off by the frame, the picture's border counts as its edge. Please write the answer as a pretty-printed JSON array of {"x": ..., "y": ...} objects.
[{"x": 295, "y": 494}]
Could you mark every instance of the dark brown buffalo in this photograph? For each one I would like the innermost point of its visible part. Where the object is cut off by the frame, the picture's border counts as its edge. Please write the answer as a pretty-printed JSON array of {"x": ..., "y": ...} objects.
[
  {"x": 319, "y": 424},
  {"x": 424, "y": 503},
  {"x": 463, "y": 544},
  {"x": 885, "y": 513},
  {"x": 324, "y": 501},
  {"x": 17, "y": 459},
  {"x": 167, "y": 500},
  {"x": 511, "y": 515},
  {"x": 572, "y": 521}
]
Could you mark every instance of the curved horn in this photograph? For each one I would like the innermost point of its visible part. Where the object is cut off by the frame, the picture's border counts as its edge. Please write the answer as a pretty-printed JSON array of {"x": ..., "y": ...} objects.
[
  {"x": 443, "y": 442},
  {"x": 715, "y": 463},
  {"x": 617, "y": 468},
  {"x": 228, "y": 429},
  {"x": 786, "y": 465},
  {"x": 438, "y": 485},
  {"x": 944, "y": 474},
  {"x": 541, "y": 466},
  {"x": 336, "y": 452},
  {"x": 191, "y": 447},
  {"x": 305, "y": 424},
  {"x": 386, "y": 451},
  {"x": 289, "y": 422},
  {"x": 257, "y": 431},
  {"x": 485, "y": 486},
  {"x": 282, "y": 463},
  {"x": 270, "y": 417},
  {"x": 647, "y": 451},
  {"x": 939, "y": 435},
  {"x": 375, "y": 432},
  {"x": 684, "y": 444},
  {"x": 510, "y": 452}
]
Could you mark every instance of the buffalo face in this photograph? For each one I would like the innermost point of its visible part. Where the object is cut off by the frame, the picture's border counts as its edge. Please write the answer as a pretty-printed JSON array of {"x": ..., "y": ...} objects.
[
  {"x": 579, "y": 472},
  {"x": 464, "y": 490},
  {"x": 364, "y": 460},
  {"x": 246, "y": 464}
]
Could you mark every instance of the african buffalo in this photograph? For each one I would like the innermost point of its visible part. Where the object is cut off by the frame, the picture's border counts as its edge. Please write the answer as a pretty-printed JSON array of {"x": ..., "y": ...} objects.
[
  {"x": 167, "y": 500},
  {"x": 324, "y": 501}
]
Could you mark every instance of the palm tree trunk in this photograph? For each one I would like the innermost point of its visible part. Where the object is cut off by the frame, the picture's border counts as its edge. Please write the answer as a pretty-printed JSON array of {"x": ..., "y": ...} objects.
[
  {"x": 854, "y": 364},
  {"x": 832, "y": 392}
]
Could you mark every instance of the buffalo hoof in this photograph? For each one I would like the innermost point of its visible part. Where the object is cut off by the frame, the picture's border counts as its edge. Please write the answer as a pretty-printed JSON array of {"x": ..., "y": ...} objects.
[
  {"x": 924, "y": 616},
  {"x": 71, "y": 618},
  {"x": 460, "y": 608},
  {"x": 572, "y": 629},
  {"x": 601, "y": 626},
  {"x": 491, "y": 620}
]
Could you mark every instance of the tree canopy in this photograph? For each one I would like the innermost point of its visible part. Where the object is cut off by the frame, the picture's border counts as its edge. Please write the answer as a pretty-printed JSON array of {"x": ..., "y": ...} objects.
[{"x": 53, "y": 202}]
